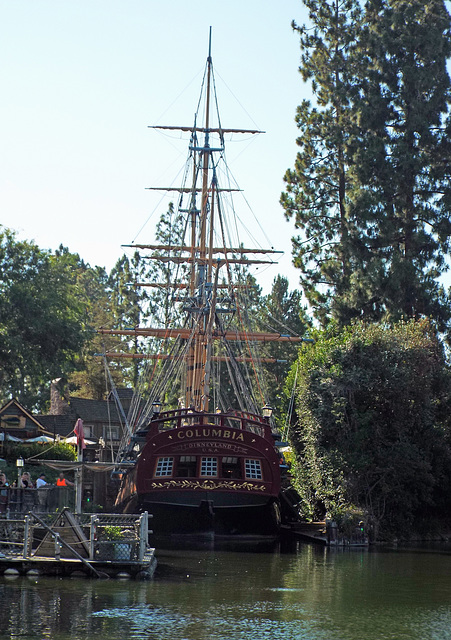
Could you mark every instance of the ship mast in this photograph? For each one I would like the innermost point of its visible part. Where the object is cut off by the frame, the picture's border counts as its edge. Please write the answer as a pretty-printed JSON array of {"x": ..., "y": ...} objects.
[
  {"x": 197, "y": 354},
  {"x": 199, "y": 350}
]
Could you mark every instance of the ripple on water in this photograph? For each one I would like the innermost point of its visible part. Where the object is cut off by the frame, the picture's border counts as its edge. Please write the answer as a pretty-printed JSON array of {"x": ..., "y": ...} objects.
[{"x": 262, "y": 621}]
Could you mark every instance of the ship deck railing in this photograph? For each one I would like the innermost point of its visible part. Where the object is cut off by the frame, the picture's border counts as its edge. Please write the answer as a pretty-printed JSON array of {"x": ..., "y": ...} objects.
[{"x": 179, "y": 418}]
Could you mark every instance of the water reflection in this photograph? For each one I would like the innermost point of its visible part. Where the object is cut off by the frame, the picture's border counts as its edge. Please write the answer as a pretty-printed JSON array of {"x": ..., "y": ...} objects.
[{"x": 217, "y": 593}]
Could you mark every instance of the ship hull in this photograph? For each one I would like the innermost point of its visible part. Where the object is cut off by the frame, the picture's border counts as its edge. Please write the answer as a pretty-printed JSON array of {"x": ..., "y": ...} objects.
[
  {"x": 216, "y": 475},
  {"x": 211, "y": 516}
]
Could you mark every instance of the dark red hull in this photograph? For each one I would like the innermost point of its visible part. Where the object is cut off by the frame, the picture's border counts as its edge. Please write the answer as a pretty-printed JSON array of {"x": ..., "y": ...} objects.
[{"x": 207, "y": 474}]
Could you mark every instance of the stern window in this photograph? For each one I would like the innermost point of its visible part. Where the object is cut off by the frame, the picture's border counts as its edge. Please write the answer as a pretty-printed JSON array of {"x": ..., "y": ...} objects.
[
  {"x": 164, "y": 467},
  {"x": 209, "y": 467},
  {"x": 253, "y": 469},
  {"x": 186, "y": 467},
  {"x": 231, "y": 468}
]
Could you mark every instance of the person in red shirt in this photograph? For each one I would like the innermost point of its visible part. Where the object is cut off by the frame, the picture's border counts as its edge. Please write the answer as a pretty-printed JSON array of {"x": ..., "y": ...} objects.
[{"x": 62, "y": 482}]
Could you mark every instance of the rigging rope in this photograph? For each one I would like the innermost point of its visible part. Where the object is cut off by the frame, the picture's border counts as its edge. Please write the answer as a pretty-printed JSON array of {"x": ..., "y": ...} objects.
[{"x": 286, "y": 430}]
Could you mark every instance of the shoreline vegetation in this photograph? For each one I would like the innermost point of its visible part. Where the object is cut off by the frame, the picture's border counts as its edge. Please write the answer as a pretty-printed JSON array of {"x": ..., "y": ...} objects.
[{"x": 371, "y": 429}]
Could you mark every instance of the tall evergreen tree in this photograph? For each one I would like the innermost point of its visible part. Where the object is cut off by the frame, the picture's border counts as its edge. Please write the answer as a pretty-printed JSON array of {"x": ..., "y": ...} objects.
[
  {"x": 281, "y": 311},
  {"x": 126, "y": 303},
  {"x": 321, "y": 186},
  {"x": 385, "y": 260},
  {"x": 89, "y": 379},
  {"x": 403, "y": 154},
  {"x": 162, "y": 275}
]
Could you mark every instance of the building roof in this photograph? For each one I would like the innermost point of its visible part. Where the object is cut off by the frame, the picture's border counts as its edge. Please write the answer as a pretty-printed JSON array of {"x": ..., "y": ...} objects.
[
  {"x": 57, "y": 425},
  {"x": 94, "y": 410},
  {"x": 13, "y": 410},
  {"x": 90, "y": 411}
]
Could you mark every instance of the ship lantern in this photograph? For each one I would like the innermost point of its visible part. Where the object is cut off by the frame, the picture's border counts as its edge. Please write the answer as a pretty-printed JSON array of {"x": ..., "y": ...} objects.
[
  {"x": 267, "y": 411},
  {"x": 156, "y": 407}
]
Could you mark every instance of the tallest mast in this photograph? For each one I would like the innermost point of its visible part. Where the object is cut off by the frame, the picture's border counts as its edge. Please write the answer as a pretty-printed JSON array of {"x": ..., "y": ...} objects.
[
  {"x": 197, "y": 393},
  {"x": 205, "y": 163}
]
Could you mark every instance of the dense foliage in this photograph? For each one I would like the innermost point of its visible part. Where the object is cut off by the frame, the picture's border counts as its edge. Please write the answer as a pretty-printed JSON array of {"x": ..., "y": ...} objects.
[
  {"x": 373, "y": 425},
  {"x": 42, "y": 317},
  {"x": 50, "y": 307}
]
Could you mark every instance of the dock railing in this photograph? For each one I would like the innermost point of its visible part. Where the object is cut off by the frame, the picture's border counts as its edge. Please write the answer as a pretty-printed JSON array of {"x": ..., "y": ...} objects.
[
  {"x": 48, "y": 499},
  {"x": 14, "y": 537},
  {"x": 109, "y": 537},
  {"x": 117, "y": 536}
]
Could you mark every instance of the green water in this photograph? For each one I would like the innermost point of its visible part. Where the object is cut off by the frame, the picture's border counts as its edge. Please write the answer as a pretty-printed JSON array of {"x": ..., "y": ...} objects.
[{"x": 300, "y": 592}]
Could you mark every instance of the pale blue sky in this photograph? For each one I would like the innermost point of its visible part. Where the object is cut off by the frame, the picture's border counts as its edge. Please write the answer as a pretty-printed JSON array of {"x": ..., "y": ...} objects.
[{"x": 81, "y": 81}]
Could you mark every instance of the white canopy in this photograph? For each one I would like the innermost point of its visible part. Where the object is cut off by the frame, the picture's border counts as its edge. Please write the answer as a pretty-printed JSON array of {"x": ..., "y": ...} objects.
[
  {"x": 41, "y": 439},
  {"x": 73, "y": 440},
  {"x": 8, "y": 437}
]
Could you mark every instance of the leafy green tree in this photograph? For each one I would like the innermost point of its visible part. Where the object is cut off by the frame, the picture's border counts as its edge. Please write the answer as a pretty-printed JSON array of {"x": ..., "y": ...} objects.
[
  {"x": 373, "y": 425},
  {"x": 42, "y": 318}
]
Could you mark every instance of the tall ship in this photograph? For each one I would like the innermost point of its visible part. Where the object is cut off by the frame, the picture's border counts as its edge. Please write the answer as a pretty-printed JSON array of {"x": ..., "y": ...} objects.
[{"x": 200, "y": 452}]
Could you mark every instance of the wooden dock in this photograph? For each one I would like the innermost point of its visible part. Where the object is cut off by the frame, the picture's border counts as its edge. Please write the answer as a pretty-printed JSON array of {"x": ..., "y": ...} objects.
[
  {"x": 66, "y": 567},
  {"x": 308, "y": 531},
  {"x": 326, "y": 533},
  {"x": 112, "y": 545}
]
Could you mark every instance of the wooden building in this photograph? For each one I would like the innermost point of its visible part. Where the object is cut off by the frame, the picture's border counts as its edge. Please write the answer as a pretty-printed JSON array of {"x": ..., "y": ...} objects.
[{"x": 103, "y": 425}]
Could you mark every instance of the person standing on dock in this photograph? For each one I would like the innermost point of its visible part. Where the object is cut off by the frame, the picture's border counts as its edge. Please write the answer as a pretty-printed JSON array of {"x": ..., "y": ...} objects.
[
  {"x": 25, "y": 481},
  {"x": 41, "y": 481},
  {"x": 3, "y": 492},
  {"x": 63, "y": 482}
]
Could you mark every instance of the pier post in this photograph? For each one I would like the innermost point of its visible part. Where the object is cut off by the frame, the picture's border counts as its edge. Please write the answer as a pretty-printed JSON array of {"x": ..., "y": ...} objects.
[
  {"x": 57, "y": 547},
  {"x": 92, "y": 536},
  {"x": 26, "y": 536},
  {"x": 143, "y": 535}
]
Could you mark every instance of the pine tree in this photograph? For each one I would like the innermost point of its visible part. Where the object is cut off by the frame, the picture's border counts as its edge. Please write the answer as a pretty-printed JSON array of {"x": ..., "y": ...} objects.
[
  {"x": 320, "y": 188},
  {"x": 89, "y": 379},
  {"x": 127, "y": 302},
  {"x": 403, "y": 155},
  {"x": 164, "y": 276},
  {"x": 372, "y": 196},
  {"x": 282, "y": 311}
]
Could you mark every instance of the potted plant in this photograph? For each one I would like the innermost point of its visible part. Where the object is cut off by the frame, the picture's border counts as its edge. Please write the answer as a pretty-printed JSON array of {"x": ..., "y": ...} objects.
[
  {"x": 115, "y": 543},
  {"x": 112, "y": 533}
]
